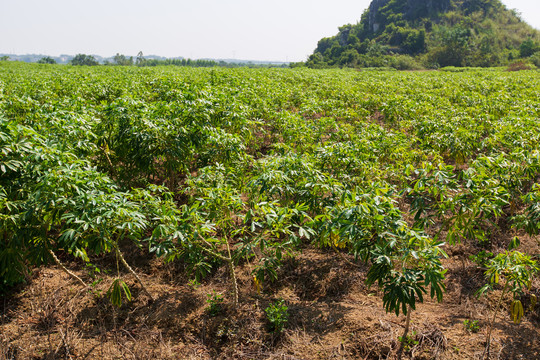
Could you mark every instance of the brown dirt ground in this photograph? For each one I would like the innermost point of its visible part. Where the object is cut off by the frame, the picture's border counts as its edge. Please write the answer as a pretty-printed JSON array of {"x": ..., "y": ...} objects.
[{"x": 333, "y": 315}]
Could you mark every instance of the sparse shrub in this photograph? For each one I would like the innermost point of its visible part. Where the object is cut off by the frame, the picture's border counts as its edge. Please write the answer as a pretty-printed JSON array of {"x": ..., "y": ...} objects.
[
  {"x": 453, "y": 69},
  {"x": 535, "y": 59},
  {"x": 405, "y": 62},
  {"x": 518, "y": 66}
]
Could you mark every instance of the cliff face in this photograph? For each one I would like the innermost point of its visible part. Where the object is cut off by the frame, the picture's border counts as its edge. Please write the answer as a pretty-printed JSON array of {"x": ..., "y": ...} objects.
[
  {"x": 425, "y": 8},
  {"x": 411, "y": 9},
  {"x": 374, "y": 7}
]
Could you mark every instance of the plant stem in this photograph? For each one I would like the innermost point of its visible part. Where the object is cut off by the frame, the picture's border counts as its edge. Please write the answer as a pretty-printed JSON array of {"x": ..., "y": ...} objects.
[
  {"x": 213, "y": 253},
  {"x": 344, "y": 258},
  {"x": 229, "y": 261},
  {"x": 57, "y": 261},
  {"x": 121, "y": 257},
  {"x": 488, "y": 341},
  {"x": 233, "y": 275},
  {"x": 405, "y": 332},
  {"x": 106, "y": 152}
]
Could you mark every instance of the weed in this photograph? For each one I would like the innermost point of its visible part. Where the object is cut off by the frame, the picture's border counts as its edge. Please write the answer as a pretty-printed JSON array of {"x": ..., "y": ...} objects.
[
  {"x": 215, "y": 303},
  {"x": 194, "y": 284},
  {"x": 94, "y": 273},
  {"x": 471, "y": 326},
  {"x": 225, "y": 332},
  {"x": 409, "y": 341},
  {"x": 277, "y": 314},
  {"x": 482, "y": 258}
]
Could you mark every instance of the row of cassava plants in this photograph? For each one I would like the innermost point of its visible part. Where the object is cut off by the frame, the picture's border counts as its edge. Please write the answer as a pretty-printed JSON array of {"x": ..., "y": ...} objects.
[{"x": 216, "y": 167}]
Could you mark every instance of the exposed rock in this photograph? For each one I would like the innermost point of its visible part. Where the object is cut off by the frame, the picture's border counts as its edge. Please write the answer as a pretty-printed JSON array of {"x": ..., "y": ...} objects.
[
  {"x": 373, "y": 11},
  {"x": 414, "y": 9}
]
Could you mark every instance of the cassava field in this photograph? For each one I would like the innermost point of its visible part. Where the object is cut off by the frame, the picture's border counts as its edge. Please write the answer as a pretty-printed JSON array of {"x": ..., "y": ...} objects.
[{"x": 181, "y": 213}]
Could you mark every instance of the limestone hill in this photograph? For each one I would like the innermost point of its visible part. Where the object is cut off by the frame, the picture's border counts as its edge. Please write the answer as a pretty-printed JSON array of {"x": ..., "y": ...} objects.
[{"x": 430, "y": 33}]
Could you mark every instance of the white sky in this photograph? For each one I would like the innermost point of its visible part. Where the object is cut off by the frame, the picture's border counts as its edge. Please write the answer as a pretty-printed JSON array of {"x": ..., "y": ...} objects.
[{"x": 279, "y": 30}]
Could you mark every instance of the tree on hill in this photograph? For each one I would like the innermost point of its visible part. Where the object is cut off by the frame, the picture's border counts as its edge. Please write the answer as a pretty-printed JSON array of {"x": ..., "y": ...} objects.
[
  {"x": 528, "y": 48},
  {"x": 83, "y": 59},
  {"x": 453, "y": 46}
]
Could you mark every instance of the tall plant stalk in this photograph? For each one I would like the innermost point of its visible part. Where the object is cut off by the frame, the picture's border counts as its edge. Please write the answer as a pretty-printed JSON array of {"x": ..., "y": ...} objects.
[{"x": 125, "y": 263}]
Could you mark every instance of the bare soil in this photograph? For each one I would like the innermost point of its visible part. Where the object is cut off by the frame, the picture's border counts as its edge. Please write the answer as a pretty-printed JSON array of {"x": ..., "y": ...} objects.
[{"x": 332, "y": 315}]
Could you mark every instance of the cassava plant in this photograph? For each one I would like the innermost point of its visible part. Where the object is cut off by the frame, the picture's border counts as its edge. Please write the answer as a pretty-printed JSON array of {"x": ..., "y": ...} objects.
[
  {"x": 404, "y": 268},
  {"x": 53, "y": 201},
  {"x": 513, "y": 271},
  {"x": 404, "y": 262},
  {"x": 201, "y": 233},
  {"x": 272, "y": 233}
]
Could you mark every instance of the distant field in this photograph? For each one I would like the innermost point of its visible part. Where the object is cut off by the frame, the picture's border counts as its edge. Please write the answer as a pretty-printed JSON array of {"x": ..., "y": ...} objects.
[{"x": 161, "y": 188}]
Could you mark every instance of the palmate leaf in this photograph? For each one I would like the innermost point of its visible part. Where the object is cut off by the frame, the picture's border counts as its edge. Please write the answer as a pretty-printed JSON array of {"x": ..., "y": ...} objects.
[
  {"x": 514, "y": 243},
  {"x": 484, "y": 289},
  {"x": 516, "y": 311},
  {"x": 117, "y": 290}
]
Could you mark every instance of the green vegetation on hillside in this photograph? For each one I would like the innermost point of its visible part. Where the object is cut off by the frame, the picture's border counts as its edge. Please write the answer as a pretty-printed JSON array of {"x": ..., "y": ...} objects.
[{"x": 406, "y": 34}]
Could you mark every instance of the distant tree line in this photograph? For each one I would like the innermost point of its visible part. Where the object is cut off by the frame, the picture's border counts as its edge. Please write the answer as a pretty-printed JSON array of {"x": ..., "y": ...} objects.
[
  {"x": 140, "y": 60},
  {"x": 181, "y": 62}
]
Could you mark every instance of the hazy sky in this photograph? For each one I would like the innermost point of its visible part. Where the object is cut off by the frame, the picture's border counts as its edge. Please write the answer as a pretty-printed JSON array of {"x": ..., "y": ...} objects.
[{"x": 279, "y": 30}]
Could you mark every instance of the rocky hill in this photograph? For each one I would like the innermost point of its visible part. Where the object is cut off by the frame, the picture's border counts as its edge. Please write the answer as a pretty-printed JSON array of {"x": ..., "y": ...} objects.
[{"x": 430, "y": 33}]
